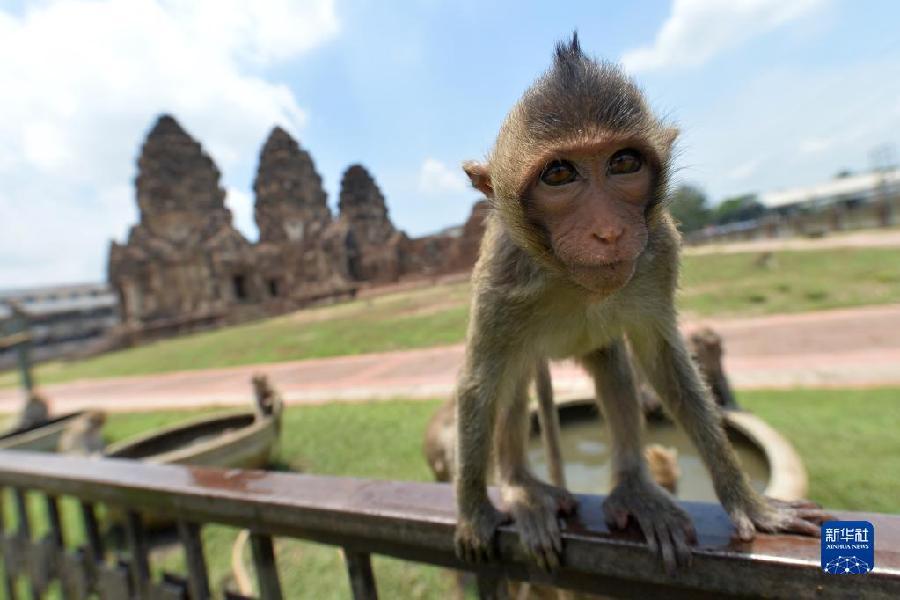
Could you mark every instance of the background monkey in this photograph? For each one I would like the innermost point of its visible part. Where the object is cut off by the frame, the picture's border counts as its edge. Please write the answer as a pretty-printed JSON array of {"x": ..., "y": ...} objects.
[
  {"x": 35, "y": 411},
  {"x": 706, "y": 348},
  {"x": 579, "y": 252},
  {"x": 84, "y": 436}
]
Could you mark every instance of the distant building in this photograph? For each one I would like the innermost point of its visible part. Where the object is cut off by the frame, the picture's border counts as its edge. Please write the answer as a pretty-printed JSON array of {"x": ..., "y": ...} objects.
[
  {"x": 64, "y": 319},
  {"x": 850, "y": 201},
  {"x": 851, "y": 190}
]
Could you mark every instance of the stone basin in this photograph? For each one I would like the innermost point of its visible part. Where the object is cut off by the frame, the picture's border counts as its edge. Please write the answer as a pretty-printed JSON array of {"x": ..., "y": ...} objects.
[{"x": 768, "y": 458}]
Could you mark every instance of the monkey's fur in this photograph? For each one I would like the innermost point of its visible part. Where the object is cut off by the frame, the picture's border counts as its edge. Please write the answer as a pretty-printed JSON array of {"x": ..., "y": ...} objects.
[
  {"x": 568, "y": 270},
  {"x": 84, "y": 436}
]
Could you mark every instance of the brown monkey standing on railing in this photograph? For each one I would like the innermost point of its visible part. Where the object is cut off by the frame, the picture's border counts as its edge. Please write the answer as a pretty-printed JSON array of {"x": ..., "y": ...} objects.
[{"x": 579, "y": 251}]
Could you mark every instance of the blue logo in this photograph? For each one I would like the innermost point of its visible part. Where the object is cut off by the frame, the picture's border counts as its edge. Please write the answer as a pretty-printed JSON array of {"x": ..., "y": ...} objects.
[{"x": 848, "y": 547}]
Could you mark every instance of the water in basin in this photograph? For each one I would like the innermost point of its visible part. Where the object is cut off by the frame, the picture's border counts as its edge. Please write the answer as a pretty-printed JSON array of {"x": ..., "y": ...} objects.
[{"x": 586, "y": 456}]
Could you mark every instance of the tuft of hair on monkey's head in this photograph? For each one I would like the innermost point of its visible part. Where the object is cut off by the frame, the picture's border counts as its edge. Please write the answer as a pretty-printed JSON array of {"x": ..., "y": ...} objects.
[{"x": 576, "y": 104}]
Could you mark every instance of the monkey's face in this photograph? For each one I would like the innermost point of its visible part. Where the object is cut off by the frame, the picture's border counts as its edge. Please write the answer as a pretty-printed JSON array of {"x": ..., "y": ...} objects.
[{"x": 591, "y": 204}]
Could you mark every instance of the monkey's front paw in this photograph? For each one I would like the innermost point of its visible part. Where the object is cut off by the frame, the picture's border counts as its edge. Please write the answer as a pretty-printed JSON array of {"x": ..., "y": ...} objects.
[
  {"x": 666, "y": 526},
  {"x": 535, "y": 509},
  {"x": 475, "y": 533},
  {"x": 772, "y": 516}
]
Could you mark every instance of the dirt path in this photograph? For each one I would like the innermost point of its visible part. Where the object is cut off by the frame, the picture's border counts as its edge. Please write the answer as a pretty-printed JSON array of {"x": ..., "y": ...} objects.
[
  {"x": 851, "y": 348},
  {"x": 871, "y": 238}
]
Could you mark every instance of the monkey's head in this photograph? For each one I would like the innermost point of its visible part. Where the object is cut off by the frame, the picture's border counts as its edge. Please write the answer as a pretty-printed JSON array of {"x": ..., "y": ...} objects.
[
  {"x": 579, "y": 170},
  {"x": 95, "y": 419}
]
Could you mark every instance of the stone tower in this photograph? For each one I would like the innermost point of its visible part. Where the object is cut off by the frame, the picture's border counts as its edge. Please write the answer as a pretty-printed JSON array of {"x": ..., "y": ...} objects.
[
  {"x": 184, "y": 264},
  {"x": 298, "y": 258},
  {"x": 290, "y": 200},
  {"x": 177, "y": 182},
  {"x": 373, "y": 243}
]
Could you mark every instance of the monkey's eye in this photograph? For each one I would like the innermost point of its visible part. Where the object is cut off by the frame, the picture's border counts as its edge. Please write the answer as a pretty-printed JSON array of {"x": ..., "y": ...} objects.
[
  {"x": 625, "y": 161},
  {"x": 559, "y": 172}
]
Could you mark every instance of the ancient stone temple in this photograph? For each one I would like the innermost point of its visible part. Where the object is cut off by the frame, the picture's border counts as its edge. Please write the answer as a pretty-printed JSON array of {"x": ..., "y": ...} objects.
[
  {"x": 184, "y": 263},
  {"x": 299, "y": 256},
  {"x": 372, "y": 243}
]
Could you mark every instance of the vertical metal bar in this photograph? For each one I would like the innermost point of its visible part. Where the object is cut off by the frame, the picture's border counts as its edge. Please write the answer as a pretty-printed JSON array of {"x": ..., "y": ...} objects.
[
  {"x": 21, "y": 503},
  {"x": 266, "y": 569},
  {"x": 19, "y": 324},
  {"x": 56, "y": 530},
  {"x": 137, "y": 546},
  {"x": 359, "y": 570},
  {"x": 56, "y": 537},
  {"x": 24, "y": 532},
  {"x": 92, "y": 533},
  {"x": 8, "y": 581},
  {"x": 198, "y": 576},
  {"x": 492, "y": 587}
]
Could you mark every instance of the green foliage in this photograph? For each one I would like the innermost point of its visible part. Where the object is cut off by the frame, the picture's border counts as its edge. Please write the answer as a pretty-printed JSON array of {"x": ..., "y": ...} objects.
[
  {"x": 737, "y": 209},
  {"x": 688, "y": 206}
]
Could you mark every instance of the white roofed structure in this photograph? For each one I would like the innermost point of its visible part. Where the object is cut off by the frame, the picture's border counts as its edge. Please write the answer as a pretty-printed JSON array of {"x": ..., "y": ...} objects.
[{"x": 861, "y": 187}]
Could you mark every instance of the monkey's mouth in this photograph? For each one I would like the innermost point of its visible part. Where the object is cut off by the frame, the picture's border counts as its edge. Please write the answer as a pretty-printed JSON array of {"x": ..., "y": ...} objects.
[{"x": 603, "y": 277}]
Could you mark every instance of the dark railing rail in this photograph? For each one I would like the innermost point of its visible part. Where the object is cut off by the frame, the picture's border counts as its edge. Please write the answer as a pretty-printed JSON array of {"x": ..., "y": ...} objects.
[{"x": 412, "y": 521}]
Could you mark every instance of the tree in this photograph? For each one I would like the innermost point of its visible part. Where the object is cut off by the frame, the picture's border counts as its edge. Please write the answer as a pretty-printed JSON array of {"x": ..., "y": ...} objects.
[
  {"x": 689, "y": 208},
  {"x": 737, "y": 209}
]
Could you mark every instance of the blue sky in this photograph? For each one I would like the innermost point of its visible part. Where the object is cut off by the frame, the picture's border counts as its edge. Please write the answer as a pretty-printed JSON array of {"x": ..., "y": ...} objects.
[{"x": 767, "y": 93}]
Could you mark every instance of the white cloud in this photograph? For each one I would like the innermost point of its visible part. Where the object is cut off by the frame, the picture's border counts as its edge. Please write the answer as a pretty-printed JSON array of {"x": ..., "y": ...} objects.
[
  {"x": 437, "y": 178},
  {"x": 697, "y": 30},
  {"x": 83, "y": 80}
]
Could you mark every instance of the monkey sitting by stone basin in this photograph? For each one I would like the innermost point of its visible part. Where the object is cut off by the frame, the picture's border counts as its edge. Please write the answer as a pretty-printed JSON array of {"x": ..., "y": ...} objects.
[{"x": 579, "y": 253}]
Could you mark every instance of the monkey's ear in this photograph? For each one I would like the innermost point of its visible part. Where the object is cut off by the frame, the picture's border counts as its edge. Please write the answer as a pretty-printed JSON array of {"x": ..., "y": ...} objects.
[
  {"x": 480, "y": 177},
  {"x": 670, "y": 134}
]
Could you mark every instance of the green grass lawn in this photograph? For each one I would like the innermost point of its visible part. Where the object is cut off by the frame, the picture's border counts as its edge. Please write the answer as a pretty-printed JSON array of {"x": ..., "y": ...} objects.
[
  {"x": 724, "y": 284},
  {"x": 832, "y": 430}
]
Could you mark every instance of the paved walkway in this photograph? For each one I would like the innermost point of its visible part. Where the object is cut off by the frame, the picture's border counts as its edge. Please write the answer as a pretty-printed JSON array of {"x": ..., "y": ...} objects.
[
  {"x": 870, "y": 238},
  {"x": 858, "y": 347}
]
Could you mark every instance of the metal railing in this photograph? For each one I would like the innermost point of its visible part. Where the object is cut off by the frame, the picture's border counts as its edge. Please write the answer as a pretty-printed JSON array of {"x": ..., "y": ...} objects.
[{"x": 411, "y": 521}]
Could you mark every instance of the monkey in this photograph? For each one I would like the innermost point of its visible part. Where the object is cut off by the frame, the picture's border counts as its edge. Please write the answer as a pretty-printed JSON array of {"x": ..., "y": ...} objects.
[
  {"x": 706, "y": 349},
  {"x": 84, "y": 436},
  {"x": 579, "y": 253},
  {"x": 267, "y": 398},
  {"x": 35, "y": 412},
  {"x": 439, "y": 443}
]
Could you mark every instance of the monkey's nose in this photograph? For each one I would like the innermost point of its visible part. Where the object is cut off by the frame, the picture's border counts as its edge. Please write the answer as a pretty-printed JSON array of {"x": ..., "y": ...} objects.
[{"x": 608, "y": 235}]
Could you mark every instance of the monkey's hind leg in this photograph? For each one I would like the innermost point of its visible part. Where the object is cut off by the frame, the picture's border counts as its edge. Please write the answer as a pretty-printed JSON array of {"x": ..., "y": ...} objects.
[
  {"x": 666, "y": 526},
  {"x": 534, "y": 505}
]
